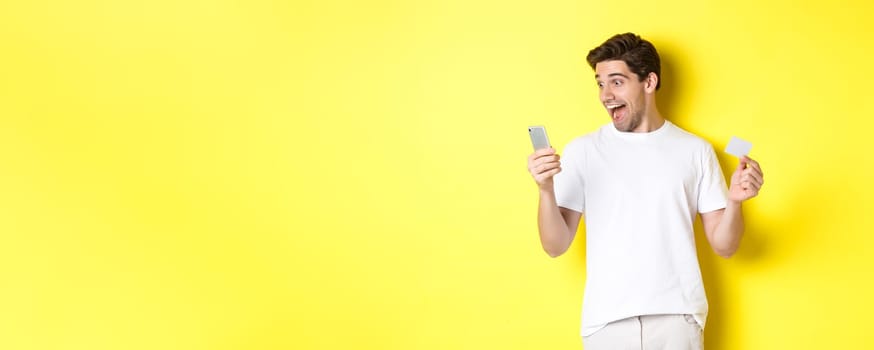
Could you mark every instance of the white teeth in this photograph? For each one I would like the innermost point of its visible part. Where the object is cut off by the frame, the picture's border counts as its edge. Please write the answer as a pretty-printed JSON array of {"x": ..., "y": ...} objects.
[{"x": 614, "y": 106}]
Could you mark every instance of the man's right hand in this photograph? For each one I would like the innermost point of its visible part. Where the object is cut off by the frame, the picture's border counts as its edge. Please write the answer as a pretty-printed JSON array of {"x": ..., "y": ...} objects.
[{"x": 543, "y": 164}]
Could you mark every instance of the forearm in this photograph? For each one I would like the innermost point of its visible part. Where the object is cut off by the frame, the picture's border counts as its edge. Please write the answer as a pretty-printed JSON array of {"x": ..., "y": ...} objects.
[
  {"x": 727, "y": 236},
  {"x": 555, "y": 236}
]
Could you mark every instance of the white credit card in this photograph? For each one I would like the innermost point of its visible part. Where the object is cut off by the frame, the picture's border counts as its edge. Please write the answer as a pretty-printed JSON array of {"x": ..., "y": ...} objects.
[{"x": 738, "y": 147}]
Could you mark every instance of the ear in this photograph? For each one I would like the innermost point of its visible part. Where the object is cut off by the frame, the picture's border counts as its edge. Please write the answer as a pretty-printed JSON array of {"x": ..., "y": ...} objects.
[{"x": 650, "y": 83}]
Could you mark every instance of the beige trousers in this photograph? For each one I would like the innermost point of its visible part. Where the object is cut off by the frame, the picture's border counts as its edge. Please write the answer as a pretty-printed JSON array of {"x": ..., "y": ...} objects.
[{"x": 650, "y": 332}]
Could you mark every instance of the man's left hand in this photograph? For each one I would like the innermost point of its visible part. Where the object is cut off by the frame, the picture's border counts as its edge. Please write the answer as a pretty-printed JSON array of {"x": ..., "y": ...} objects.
[{"x": 746, "y": 180}]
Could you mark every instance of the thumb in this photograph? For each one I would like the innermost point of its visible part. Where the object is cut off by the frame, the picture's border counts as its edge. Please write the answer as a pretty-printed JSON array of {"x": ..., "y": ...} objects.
[{"x": 743, "y": 163}]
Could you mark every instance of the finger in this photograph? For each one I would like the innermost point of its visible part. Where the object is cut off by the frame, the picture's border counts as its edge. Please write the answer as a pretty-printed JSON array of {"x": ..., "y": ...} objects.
[
  {"x": 752, "y": 169},
  {"x": 742, "y": 164},
  {"x": 546, "y": 167},
  {"x": 749, "y": 183},
  {"x": 552, "y": 172},
  {"x": 536, "y": 162},
  {"x": 542, "y": 160},
  {"x": 542, "y": 167},
  {"x": 758, "y": 172},
  {"x": 754, "y": 164},
  {"x": 545, "y": 151},
  {"x": 754, "y": 185},
  {"x": 750, "y": 175},
  {"x": 541, "y": 152},
  {"x": 547, "y": 175},
  {"x": 548, "y": 158}
]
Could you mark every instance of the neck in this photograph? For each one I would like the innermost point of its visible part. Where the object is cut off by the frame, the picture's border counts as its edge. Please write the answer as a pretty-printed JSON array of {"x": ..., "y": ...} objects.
[{"x": 652, "y": 120}]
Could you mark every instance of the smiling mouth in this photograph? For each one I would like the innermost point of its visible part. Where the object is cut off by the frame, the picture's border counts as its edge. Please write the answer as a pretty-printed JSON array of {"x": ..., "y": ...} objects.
[{"x": 614, "y": 109}]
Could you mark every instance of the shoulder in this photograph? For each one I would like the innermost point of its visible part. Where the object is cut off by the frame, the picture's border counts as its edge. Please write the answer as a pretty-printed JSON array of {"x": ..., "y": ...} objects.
[
  {"x": 689, "y": 140},
  {"x": 581, "y": 143}
]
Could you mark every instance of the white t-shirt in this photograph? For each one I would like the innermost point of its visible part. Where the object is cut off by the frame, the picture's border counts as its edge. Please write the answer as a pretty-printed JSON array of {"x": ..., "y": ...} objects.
[{"x": 639, "y": 193}]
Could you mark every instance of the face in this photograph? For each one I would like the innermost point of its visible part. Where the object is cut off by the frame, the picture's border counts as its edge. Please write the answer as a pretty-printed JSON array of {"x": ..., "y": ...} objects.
[{"x": 622, "y": 93}]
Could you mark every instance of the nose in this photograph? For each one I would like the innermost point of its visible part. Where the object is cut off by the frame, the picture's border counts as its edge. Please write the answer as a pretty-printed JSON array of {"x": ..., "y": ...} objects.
[{"x": 606, "y": 93}]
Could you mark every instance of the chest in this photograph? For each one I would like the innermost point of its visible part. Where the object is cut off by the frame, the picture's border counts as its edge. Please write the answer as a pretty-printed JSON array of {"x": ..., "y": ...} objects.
[{"x": 642, "y": 172}]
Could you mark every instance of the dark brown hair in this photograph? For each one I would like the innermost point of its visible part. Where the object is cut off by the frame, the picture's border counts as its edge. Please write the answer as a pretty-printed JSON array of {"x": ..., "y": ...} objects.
[{"x": 640, "y": 55}]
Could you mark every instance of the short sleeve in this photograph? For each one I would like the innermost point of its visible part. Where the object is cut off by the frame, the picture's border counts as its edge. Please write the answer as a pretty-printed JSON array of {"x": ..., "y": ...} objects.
[
  {"x": 570, "y": 182},
  {"x": 712, "y": 192}
]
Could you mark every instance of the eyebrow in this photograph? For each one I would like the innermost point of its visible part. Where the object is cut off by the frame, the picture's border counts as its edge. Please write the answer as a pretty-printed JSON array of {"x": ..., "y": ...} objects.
[{"x": 613, "y": 75}]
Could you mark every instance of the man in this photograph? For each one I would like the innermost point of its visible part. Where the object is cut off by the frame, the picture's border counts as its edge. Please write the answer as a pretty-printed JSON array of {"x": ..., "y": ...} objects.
[{"x": 640, "y": 181}]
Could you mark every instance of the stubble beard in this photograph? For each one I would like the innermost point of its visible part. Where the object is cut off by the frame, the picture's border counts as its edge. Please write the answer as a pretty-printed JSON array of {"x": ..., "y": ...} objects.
[{"x": 634, "y": 121}]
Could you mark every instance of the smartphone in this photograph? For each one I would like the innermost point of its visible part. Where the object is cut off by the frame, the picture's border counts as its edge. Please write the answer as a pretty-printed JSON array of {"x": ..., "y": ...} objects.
[{"x": 538, "y": 137}]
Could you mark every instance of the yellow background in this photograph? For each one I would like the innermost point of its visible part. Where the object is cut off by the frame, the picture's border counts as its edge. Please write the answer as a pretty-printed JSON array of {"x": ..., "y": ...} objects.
[{"x": 341, "y": 174}]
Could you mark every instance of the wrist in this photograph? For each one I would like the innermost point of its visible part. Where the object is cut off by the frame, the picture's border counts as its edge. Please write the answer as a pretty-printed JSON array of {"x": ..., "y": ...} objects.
[
  {"x": 734, "y": 204},
  {"x": 547, "y": 190}
]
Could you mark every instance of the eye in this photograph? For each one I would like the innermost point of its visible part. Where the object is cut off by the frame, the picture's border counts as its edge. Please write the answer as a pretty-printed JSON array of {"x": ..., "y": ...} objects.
[
  {"x": 600, "y": 85},
  {"x": 617, "y": 82}
]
